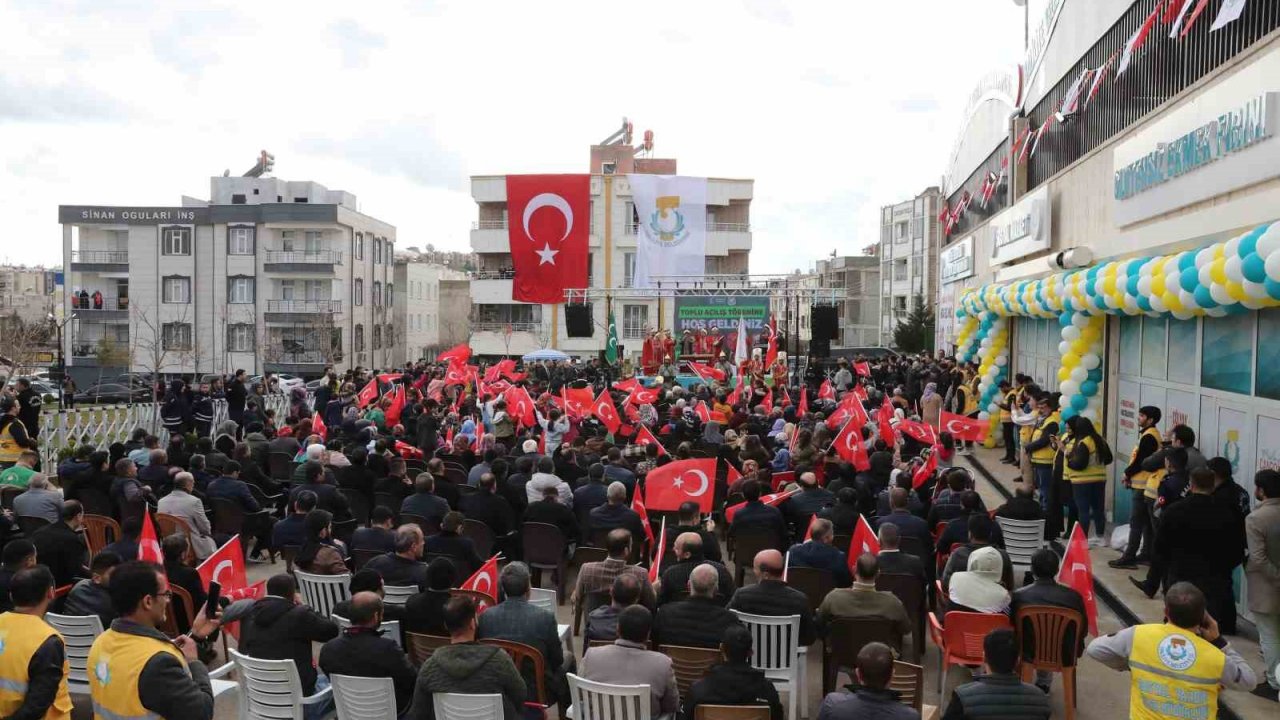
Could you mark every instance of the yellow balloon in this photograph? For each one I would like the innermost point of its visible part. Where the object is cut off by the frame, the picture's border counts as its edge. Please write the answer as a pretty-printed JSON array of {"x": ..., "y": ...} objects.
[
  {"x": 1219, "y": 251},
  {"x": 1070, "y": 360},
  {"x": 1157, "y": 285},
  {"x": 1217, "y": 271},
  {"x": 1236, "y": 291},
  {"x": 1172, "y": 301},
  {"x": 1064, "y": 374}
]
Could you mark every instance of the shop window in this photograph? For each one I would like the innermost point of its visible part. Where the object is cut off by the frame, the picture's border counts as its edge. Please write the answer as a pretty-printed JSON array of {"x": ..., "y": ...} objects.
[{"x": 1228, "y": 353}]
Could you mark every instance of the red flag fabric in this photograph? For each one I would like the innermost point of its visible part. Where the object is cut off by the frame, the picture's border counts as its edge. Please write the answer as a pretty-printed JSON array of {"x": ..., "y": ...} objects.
[
  {"x": 864, "y": 540},
  {"x": 672, "y": 484},
  {"x": 808, "y": 533},
  {"x": 484, "y": 580},
  {"x": 656, "y": 565},
  {"x": 732, "y": 398},
  {"x": 782, "y": 478},
  {"x": 1139, "y": 37},
  {"x": 148, "y": 546},
  {"x": 576, "y": 401},
  {"x": 548, "y": 234},
  {"x": 848, "y": 409},
  {"x": 448, "y": 437},
  {"x": 963, "y": 428},
  {"x": 388, "y": 378},
  {"x": 318, "y": 427},
  {"x": 707, "y": 371},
  {"x": 859, "y": 393},
  {"x": 771, "y": 353},
  {"x": 645, "y": 436},
  {"x": 397, "y": 407},
  {"x": 637, "y": 504},
  {"x": 1098, "y": 77},
  {"x": 1077, "y": 573},
  {"x": 923, "y": 473},
  {"x": 1195, "y": 14},
  {"x": 457, "y": 374},
  {"x": 767, "y": 402},
  {"x": 786, "y": 397},
  {"x": 606, "y": 412},
  {"x": 225, "y": 567},
  {"x": 498, "y": 369},
  {"x": 643, "y": 396},
  {"x": 626, "y": 385},
  {"x": 702, "y": 411},
  {"x": 520, "y": 406},
  {"x": 849, "y": 447},
  {"x": 407, "y": 451},
  {"x": 803, "y": 408},
  {"x": 827, "y": 391},
  {"x": 772, "y": 499},
  {"x": 884, "y": 418},
  {"x": 1172, "y": 10},
  {"x": 367, "y": 394},
  {"x": 922, "y": 432},
  {"x": 458, "y": 355},
  {"x": 862, "y": 368}
]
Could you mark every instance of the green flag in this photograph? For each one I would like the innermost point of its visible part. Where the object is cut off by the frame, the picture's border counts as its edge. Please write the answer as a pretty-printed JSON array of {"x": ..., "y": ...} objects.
[{"x": 611, "y": 347}]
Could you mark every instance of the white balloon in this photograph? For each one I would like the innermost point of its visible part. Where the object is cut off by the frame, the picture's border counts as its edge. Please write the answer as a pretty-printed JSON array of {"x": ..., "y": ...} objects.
[
  {"x": 1071, "y": 333},
  {"x": 1220, "y": 295},
  {"x": 993, "y": 408},
  {"x": 1272, "y": 266},
  {"x": 1268, "y": 242},
  {"x": 1188, "y": 300},
  {"x": 1157, "y": 304},
  {"x": 1002, "y": 360},
  {"x": 1069, "y": 388},
  {"x": 984, "y": 415},
  {"x": 1080, "y": 320},
  {"x": 1257, "y": 291},
  {"x": 1144, "y": 285},
  {"x": 1216, "y": 312},
  {"x": 1232, "y": 247},
  {"x": 1090, "y": 361},
  {"x": 1232, "y": 268},
  {"x": 1079, "y": 374},
  {"x": 1131, "y": 305},
  {"x": 986, "y": 342},
  {"x": 1182, "y": 315},
  {"x": 1206, "y": 275},
  {"x": 1064, "y": 347},
  {"x": 1204, "y": 256},
  {"x": 1172, "y": 280}
]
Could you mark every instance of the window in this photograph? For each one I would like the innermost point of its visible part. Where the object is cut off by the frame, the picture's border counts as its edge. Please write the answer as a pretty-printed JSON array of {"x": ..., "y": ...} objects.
[
  {"x": 176, "y": 336},
  {"x": 388, "y": 336},
  {"x": 175, "y": 241},
  {"x": 286, "y": 289},
  {"x": 591, "y": 268},
  {"x": 240, "y": 338},
  {"x": 358, "y": 292},
  {"x": 628, "y": 269},
  {"x": 318, "y": 290},
  {"x": 335, "y": 343},
  {"x": 237, "y": 199},
  {"x": 629, "y": 212},
  {"x": 377, "y": 337},
  {"x": 299, "y": 199},
  {"x": 240, "y": 289},
  {"x": 286, "y": 240},
  {"x": 377, "y": 255},
  {"x": 312, "y": 238},
  {"x": 358, "y": 340},
  {"x": 391, "y": 295},
  {"x": 900, "y": 271},
  {"x": 390, "y": 253},
  {"x": 177, "y": 290},
  {"x": 634, "y": 320},
  {"x": 359, "y": 246},
  {"x": 240, "y": 240},
  {"x": 377, "y": 293}
]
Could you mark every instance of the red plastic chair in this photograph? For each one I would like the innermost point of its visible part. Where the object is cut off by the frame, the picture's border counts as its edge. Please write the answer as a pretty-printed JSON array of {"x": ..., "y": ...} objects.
[{"x": 960, "y": 641}]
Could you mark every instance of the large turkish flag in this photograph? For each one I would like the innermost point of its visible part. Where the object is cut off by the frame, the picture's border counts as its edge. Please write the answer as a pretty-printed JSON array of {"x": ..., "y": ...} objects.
[
  {"x": 548, "y": 224},
  {"x": 668, "y": 486}
]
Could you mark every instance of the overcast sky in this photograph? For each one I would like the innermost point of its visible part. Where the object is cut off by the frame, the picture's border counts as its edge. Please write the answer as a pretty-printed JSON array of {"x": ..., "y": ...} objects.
[{"x": 834, "y": 108}]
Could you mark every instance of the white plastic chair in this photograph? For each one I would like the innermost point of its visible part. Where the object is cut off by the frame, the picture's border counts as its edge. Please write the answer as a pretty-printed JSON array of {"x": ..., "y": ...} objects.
[
  {"x": 398, "y": 594},
  {"x": 323, "y": 592},
  {"x": 546, "y": 598},
  {"x": 390, "y": 628},
  {"x": 1022, "y": 538},
  {"x": 592, "y": 700},
  {"x": 78, "y": 633},
  {"x": 461, "y": 706},
  {"x": 271, "y": 690},
  {"x": 360, "y": 698},
  {"x": 775, "y": 642}
]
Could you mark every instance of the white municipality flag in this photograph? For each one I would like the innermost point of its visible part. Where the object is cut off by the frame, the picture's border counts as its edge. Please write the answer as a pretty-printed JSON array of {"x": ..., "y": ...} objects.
[
  {"x": 740, "y": 351},
  {"x": 671, "y": 240}
]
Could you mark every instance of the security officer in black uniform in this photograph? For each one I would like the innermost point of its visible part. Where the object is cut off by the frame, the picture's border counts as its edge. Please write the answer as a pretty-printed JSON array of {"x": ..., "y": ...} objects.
[{"x": 29, "y": 408}]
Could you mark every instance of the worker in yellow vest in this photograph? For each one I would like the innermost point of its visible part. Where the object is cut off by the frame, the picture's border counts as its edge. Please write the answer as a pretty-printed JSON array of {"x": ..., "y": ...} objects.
[
  {"x": 1007, "y": 398},
  {"x": 1177, "y": 666},
  {"x": 33, "y": 658},
  {"x": 1141, "y": 528},
  {"x": 1086, "y": 456},
  {"x": 13, "y": 434},
  {"x": 1040, "y": 448},
  {"x": 135, "y": 671}
]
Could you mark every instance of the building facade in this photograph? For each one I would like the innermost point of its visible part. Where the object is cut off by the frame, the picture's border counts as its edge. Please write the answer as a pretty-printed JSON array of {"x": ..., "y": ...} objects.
[
  {"x": 501, "y": 326},
  {"x": 858, "y": 315},
  {"x": 908, "y": 254},
  {"x": 267, "y": 275},
  {"x": 28, "y": 293},
  {"x": 432, "y": 307}
]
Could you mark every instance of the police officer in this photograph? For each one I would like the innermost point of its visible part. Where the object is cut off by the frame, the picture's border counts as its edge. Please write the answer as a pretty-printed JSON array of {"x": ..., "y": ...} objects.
[
  {"x": 13, "y": 434},
  {"x": 202, "y": 412},
  {"x": 29, "y": 407},
  {"x": 33, "y": 659},
  {"x": 1177, "y": 666},
  {"x": 137, "y": 672}
]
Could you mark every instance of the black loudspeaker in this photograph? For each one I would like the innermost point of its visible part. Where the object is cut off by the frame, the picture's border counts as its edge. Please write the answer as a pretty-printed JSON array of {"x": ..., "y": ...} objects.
[
  {"x": 819, "y": 347},
  {"x": 577, "y": 320},
  {"x": 824, "y": 323}
]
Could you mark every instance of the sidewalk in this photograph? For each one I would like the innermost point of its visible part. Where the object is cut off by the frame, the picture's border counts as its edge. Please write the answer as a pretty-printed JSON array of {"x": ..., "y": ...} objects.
[{"x": 1111, "y": 582}]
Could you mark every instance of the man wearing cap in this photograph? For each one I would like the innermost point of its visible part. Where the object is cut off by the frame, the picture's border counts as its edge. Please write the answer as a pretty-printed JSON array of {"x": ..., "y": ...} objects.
[{"x": 1141, "y": 529}]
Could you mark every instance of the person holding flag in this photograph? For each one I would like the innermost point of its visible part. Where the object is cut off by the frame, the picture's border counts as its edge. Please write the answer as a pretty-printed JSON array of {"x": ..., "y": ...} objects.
[
  {"x": 757, "y": 514},
  {"x": 817, "y": 552}
]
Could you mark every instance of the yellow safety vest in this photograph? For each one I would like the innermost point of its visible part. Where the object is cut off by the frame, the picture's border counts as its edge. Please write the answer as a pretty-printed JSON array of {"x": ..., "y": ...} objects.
[
  {"x": 1142, "y": 479},
  {"x": 1045, "y": 455},
  {"x": 10, "y": 450},
  {"x": 1009, "y": 398},
  {"x": 1176, "y": 674},
  {"x": 1095, "y": 472},
  {"x": 115, "y": 663},
  {"x": 20, "y": 636}
]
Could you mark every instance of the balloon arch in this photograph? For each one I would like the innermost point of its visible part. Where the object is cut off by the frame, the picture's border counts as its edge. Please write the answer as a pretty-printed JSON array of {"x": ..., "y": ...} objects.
[{"x": 1225, "y": 278}]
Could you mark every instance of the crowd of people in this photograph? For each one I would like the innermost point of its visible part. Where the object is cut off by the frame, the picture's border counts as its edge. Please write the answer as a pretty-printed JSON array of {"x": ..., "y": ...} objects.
[{"x": 415, "y": 477}]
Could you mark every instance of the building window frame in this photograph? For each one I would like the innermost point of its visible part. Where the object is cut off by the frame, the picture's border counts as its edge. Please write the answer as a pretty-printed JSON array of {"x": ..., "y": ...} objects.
[
  {"x": 176, "y": 239},
  {"x": 175, "y": 290},
  {"x": 241, "y": 290},
  {"x": 241, "y": 338},
  {"x": 176, "y": 336},
  {"x": 635, "y": 318},
  {"x": 241, "y": 239},
  {"x": 357, "y": 292}
]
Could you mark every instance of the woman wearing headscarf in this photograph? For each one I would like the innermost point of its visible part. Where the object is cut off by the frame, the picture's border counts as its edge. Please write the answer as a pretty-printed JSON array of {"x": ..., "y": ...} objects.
[
  {"x": 978, "y": 588},
  {"x": 931, "y": 404},
  {"x": 319, "y": 554},
  {"x": 711, "y": 436},
  {"x": 468, "y": 429}
]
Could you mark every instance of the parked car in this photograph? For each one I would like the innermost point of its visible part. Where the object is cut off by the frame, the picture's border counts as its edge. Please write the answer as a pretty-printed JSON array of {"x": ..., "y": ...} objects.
[
  {"x": 49, "y": 392},
  {"x": 284, "y": 382},
  {"x": 114, "y": 393}
]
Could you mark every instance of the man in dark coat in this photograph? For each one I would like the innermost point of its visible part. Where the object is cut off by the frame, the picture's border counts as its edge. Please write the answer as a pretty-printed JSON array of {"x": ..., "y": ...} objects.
[
  {"x": 771, "y": 596},
  {"x": 1045, "y": 590},
  {"x": 734, "y": 681},
  {"x": 362, "y": 651},
  {"x": 279, "y": 627}
]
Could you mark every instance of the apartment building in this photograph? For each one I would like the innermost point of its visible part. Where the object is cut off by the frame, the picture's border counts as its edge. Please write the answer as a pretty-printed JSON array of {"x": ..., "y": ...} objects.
[
  {"x": 266, "y": 275},
  {"x": 432, "y": 308},
  {"x": 908, "y": 257},
  {"x": 857, "y": 278},
  {"x": 27, "y": 293}
]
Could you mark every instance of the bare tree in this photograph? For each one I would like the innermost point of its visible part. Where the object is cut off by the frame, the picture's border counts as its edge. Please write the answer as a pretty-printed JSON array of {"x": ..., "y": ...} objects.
[
  {"x": 110, "y": 353},
  {"x": 23, "y": 341}
]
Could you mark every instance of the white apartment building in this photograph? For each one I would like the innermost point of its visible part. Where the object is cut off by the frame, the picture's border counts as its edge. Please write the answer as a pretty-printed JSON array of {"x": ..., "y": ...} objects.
[
  {"x": 858, "y": 309},
  {"x": 27, "y": 293},
  {"x": 432, "y": 307},
  {"x": 267, "y": 275},
  {"x": 908, "y": 257},
  {"x": 502, "y": 326}
]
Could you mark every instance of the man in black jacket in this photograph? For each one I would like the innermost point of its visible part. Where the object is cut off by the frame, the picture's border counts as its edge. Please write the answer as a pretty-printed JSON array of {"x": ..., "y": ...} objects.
[
  {"x": 689, "y": 520},
  {"x": 755, "y": 514},
  {"x": 549, "y": 511},
  {"x": 1045, "y": 590},
  {"x": 957, "y": 530},
  {"x": 18, "y": 555},
  {"x": 870, "y": 696},
  {"x": 489, "y": 507},
  {"x": 236, "y": 395},
  {"x": 909, "y": 525},
  {"x": 675, "y": 579},
  {"x": 280, "y": 627},
  {"x": 615, "y": 514},
  {"x": 328, "y": 497},
  {"x": 402, "y": 567},
  {"x": 362, "y": 651},
  {"x": 894, "y": 561},
  {"x": 1023, "y": 505},
  {"x": 29, "y": 407},
  {"x": 734, "y": 681},
  {"x": 378, "y": 537},
  {"x": 61, "y": 546},
  {"x": 424, "y": 502},
  {"x": 999, "y": 692},
  {"x": 698, "y": 621},
  {"x": 451, "y": 543},
  {"x": 771, "y": 596}
]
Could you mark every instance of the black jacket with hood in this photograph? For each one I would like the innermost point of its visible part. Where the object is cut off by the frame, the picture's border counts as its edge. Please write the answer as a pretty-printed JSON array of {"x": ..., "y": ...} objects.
[{"x": 274, "y": 628}]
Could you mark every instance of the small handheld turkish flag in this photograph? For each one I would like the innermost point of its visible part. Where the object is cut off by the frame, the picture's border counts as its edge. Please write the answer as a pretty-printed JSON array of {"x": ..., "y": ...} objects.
[
  {"x": 484, "y": 580},
  {"x": 576, "y": 401},
  {"x": 884, "y": 418},
  {"x": 963, "y": 428},
  {"x": 803, "y": 407},
  {"x": 606, "y": 412},
  {"x": 397, "y": 407},
  {"x": 367, "y": 394},
  {"x": 626, "y": 385},
  {"x": 672, "y": 484},
  {"x": 702, "y": 411},
  {"x": 643, "y": 396},
  {"x": 148, "y": 546},
  {"x": 655, "y": 566},
  {"x": 637, "y": 504},
  {"x": 318, "y": 427},
  {"x": 225, "y": 567},
  {"x": 706, "y": 371},
  {"x": 864, "y": 540},
  {"x": 827, "y": 391},
  {"x": 808, "y": 534},
  {"x": 921, "y": 432},
  {"x": 645, "y": 436},
  {"x": 459, "y": 355},
  {"x": 520, "y": 406},
  {"x": 732, "y": 399},
  {"x": 1077, "y": 573},
  {"x": 862, "y": 368},
  {"x": 772, "y": 500},
  {"x": 926, "y": 470},
  {"x": 849, "y": 447}
]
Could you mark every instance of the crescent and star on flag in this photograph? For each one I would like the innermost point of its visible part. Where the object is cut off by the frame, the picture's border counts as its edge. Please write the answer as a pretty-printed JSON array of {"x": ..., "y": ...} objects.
[{"x": 546, "y": 255}]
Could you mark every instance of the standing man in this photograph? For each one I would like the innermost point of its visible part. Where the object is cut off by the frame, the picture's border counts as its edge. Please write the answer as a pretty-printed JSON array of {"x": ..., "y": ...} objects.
[
  {"x": 1041, "y": 450},
  {"x": 134, "y": 670},
  {"x": 1178, "y": 665},
  {"x": 1262, "y": 529},
  {"x": 13, "y": 434},
  {"x": 33, "y": 664},
  {"x": 1141, "y": 529},
  {"x": 29, "y": 408},
  {"x": 236, "y": 395},
  {"x": 1008, "y": 398}
]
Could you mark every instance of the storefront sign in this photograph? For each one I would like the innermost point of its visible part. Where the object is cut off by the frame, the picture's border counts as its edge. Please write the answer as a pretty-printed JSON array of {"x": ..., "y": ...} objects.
[
  {"x": 956, "y": 261},
  {"x": 1197, "y": 154},
  {"x": 1022, "y": 229},
  {"x": 100, "y": 215}
]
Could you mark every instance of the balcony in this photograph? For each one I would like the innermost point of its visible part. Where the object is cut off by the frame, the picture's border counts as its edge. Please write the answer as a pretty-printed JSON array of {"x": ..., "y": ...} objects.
[
  {"x": 493, "y": 287},
  {"x": 722, "y": 238},
  {"x": 100, "y": 260},
  {"x": 318, "y": 261},
  {"x": 501, "y": 327},
  {"x": 303, "y": 362},
  {"x": 289, "y": 311},
  {"x": 490, "y": 236},
  {"x": 112, "y": 310}
]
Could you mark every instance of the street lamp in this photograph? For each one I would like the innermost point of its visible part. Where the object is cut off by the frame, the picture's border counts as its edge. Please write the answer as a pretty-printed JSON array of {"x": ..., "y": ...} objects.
[
  {"x": 1026, "y": 22},
  {"x": 62, "y": 361}
]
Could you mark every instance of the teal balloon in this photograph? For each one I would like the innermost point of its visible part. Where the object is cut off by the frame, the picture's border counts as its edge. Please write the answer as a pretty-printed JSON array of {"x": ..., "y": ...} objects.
[
  {"x": 1088, "y": 388},
  {"x": 1079, "y": 402},
  {"x": 1095, "y": 375},
  {"x": 1132, "y": 285},
  {"x": 1187, "y": 262},
  {"x": 1204, "y": 298},
  {"x": 1189, "y": 279},
  {"x": 1144, "y": 303},
  {"x": 1249, "y": 243},
  {"x": 1273, "y": 288},
  {"x": 1067, "y": 413},
  {"x": 1236, "y": 309},
  {"x": 1065, "y": 318},
  {"x": 1254, "y": 268}
]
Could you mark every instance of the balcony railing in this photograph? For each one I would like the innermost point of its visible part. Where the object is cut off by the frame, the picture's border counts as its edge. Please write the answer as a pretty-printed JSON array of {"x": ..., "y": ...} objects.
[
  {"x": 118, "y": 257},
  {"x": 305, "y": 357},
  {"x": 319, "y": 257},
  {"x": 489, "y": 225},
  {"x": 304, "y": 306},
  {"x": 506, "y": 274},
  {"x": 728, "y": 227},
  {"x": 109, "y": 304},
  {"x": 502, "y": 327}
]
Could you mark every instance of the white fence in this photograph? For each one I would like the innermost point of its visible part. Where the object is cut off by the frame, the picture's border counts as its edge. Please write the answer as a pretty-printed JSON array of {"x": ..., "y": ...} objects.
[{"x": 103, "y": 425}]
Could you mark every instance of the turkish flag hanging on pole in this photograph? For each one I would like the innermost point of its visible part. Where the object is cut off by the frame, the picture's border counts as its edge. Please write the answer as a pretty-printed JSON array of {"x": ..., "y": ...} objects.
[
  {"x": 655, "y": 565},
  {"x": 606, "y": 411},
  {"x": 827, "y": 391},
  {"x": 702, "y": 411},
  {"x": 644, "y": 436},
  {"x": 771, "y": 353},
  {"x": 963, "y": 428},
  {"x": 674, "y": 483},
  {"x": 1077, "y": 573},
  {"x": 148, "y": 546},
  {"x": 849, "y": 447},
  {"x": 367, "y": 394},
  {"x": 547, "y": 226},
  {"x": 864, "y": 540},
  {"x": 484, "y": 580}
]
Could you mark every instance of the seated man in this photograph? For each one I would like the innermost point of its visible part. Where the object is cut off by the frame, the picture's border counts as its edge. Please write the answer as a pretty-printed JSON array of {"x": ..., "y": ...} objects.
[
  {"x": 278, "y": 626},
  {"x": 61, "y": 546},
  {"x": 403, "y": 566},
  {"x": 689, "y": 519},
  {"x": 516, "y": 619},
  {"x": 895, "y": 562},
  {"x": 1023, "y": 505},
  {"x": 181, "y": 503},
  {"x": 34, "y": 651},
  {"x": 909, "y": 524},
  {"x": 771, "y": 596},
  {"x": 629, "y": 661},
  {"x": 1000, "y": 686},
  {"x": 698, "y": 621},
  {"x": 292, "y": 530},
  {"x": 615, "y": 514},
  {"x": 18, "y": 555},
  {"x": 257, "y": 523},
  {"x": 596, "y": 577},
  {"x": 755, "y": 514},
  {"x": 176, "y": 556},
  {"x": 424, "y": 612},
  {"x": 366, "y": 580},
  {"x": 981, "y": 528},
  {"x": 549, "y": 511},
  {"x": 362, "y": 651},
  {"x": 734, "y": 681},
  {"x": 957, "y": 530},
  {"x": 818, "y": 552},
  {"x": 863, "y": 600},
  {"x": 674, "y": 582},
  {"x": 869, "y": 696},
  {"x": 602, "y": 622},
  {"x": 90, "y": 596},
  {"x": 378, "y": 537},
  {"x": 424, "y": 502},
  {"x": 1046, "y": 590},
  {"x": 39, "y": 500},
  {"x": 466, "y": 666},
  {"x": 451, "y": 543}
]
